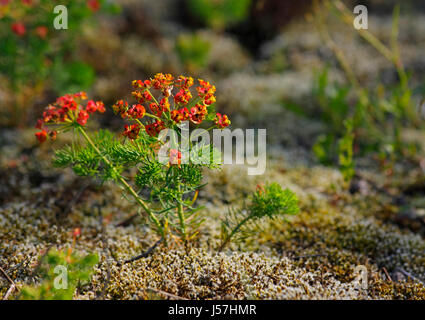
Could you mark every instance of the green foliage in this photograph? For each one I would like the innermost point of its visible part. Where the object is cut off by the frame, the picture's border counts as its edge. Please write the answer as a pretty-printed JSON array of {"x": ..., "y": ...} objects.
[
  {"x": 270, "y": 202},
  {"x": 376, "y": 117},
  {"x": 345, "y": 151},
  {"x": 60, "y": 274},
  {"x": 27, "y": 59},
  {"x": 72, "y": 76},
  {"x": 333, "y": 101},
  {"x": 324, "y": 149},
  {"x": 167, "y": 186},
  {"x": 219, "y": 13},
  {"x": 273, "y": 201},
  {"x": 193, "y": 51},
  {"x": 334, "y": 107}
]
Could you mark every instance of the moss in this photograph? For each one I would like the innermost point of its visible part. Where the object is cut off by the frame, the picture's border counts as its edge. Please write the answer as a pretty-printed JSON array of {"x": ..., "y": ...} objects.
[{"x": 311, "y": 256}]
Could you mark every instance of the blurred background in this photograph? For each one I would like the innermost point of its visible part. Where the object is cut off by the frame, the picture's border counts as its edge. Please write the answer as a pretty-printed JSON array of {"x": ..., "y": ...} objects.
[{"x": 327, "y": 93}]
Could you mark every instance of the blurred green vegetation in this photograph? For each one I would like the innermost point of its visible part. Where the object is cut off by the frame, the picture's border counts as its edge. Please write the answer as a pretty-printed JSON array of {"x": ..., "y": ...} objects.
[
  {"x": 193, "y": 51},
  {"x": 367, "y": 119},
  {"x": 219, "y": 14},
  {"x": 60, "y": 273}
]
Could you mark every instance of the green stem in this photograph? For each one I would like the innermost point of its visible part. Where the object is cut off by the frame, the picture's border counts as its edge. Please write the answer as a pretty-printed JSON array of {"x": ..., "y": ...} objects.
[
  {"x": 181, "y": 214},
  {"x": 152, "y": 116},
  {"x": 236, "y": 229},
  {"x": 124, "y": 183}
]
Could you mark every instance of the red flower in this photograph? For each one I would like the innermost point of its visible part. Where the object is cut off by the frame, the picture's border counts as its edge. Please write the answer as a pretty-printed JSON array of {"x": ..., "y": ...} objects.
[
  {"x": 183, "y": 96},
  {"x": 41, "y": 31},
  {"x": 184, "y": 82},
  {"x": 156, "y": 110},
  {"x": 19, "y": 28},
  {"x": 132, "y": 131},
  {"x": 209, "y": 99},
  {"x": 222, "y": 121},
  {"x": 121, "y": 107},
  {"x": 260, "y": 188},
  {"x": 147, "y": 96},
  {"x": 137, "y": 111},
  {"x": 67, "y": 102},
  {"x": 206, "y": 92},
  {"x": 151, "y": 129},
  {"x": 100, "y": 106},
  {"x": 165, "y": 104},
  {"x": 27, "y": 2},
  {"x": 91, "y": 107},
  {"x": 162, "y": 81},
  {"x": 41, "y": 136},
  {"x": 81, "y": 95},
  {"x": 137, "y": 84},
  {"x": 180, "y": 115},
  {"x": 198, "y": 113},
  {"x": 76, "y": 232},
  {"x": 83, "y": 116},
  {"x": 155, "y": 128},
  {"x": 94, "y": 5},
  {"x": 67, "y": 109}
]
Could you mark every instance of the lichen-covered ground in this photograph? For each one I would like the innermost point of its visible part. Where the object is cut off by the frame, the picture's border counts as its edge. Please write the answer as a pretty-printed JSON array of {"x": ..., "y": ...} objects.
[
  {"x": 379, "y": 222},
  {"x": 313, "y": 255}
]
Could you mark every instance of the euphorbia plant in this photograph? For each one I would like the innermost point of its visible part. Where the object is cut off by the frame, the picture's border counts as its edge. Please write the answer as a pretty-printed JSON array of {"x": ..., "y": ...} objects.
[{"x": 164, "y": 192}]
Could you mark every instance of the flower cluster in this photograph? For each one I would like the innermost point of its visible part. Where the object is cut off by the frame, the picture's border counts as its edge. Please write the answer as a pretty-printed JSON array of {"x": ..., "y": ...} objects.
[
  {"x": 68, "y": 110},
  {"x": 222, "y": 121},
  {"x": 65, "y": 112},
  {"x": 185, "y": 107}
]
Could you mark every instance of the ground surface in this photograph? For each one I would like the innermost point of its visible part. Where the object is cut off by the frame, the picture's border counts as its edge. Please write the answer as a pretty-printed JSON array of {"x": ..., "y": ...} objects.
[{"x": 311, "y": 256}]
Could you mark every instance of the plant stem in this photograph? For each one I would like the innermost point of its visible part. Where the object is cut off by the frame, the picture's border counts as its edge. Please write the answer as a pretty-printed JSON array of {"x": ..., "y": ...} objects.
[
  {"x": 227, "y": 240},
  {"x": 124, "y": 183},
  {"x": 181, "y": 215}
]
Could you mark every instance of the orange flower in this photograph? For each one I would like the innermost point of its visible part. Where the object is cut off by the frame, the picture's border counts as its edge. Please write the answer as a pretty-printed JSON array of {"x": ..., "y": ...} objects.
[
  {"x": 206, "y": 92},
  {"x": 91, "y": 106},
  {"x": 41, "y": 136},
  {"x": 80, "y": 95},
  {"x": 184, "y": 82},
  {"x": 100, "y": 106},
  {"x": 180, "y": 115},
  {"x": 182, "y": 97},
  {"x": 41, "y": 31},
  {"x": 198, "y": 113},
  {"x": 165, "y": 104},
  {"x": 120, "y": 107},
  {"x": 222, "y": 121}
]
